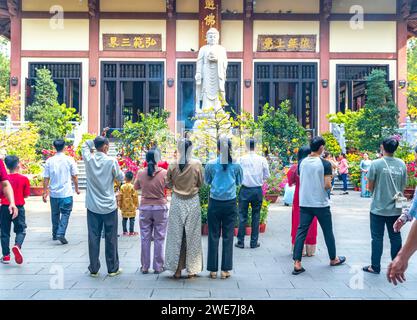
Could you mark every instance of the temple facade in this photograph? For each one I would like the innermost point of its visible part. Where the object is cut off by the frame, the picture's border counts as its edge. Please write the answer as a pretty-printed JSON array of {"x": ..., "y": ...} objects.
[{"x": 112, "y": 59}]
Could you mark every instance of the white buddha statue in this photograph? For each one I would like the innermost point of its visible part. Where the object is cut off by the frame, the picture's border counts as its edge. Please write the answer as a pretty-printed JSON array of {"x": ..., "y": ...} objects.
[{"x": 211, "y": 74}]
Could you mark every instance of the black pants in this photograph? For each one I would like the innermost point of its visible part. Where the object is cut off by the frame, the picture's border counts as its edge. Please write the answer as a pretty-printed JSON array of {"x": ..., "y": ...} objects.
[
  {"x": 324, "y": 217},
  {"x": 95, "y": 223},
  {"x": 221, "y": 217},
  {"x": 253, "y": 197},
  {"x": 377, "y": 234},
  {"x": 6, "y": 224},
  {"x": 131, "y": 224}
]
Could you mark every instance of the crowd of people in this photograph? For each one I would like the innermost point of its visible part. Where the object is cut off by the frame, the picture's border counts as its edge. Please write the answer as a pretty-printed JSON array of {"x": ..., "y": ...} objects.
[{"x": 235, "y": 186}]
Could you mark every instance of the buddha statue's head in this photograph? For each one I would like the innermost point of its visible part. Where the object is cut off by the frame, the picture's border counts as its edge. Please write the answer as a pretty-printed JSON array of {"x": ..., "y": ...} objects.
[{"x": 212, "y": 36}]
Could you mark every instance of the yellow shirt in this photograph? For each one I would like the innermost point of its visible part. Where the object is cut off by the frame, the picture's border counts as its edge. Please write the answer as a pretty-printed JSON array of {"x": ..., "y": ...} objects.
[{"x": 128, "y": 200}]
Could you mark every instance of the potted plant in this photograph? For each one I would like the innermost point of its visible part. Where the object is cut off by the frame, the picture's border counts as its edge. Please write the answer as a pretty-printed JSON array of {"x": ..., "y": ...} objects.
[
  {"x": 248, "y": 229},
  {"x": 204, "y": 194},
  {"x": 36, "y": 188},
  {"x": 411, "y": 180},
  {"x": 264, "y": 216},
  {"x": 204, "y": 225}
]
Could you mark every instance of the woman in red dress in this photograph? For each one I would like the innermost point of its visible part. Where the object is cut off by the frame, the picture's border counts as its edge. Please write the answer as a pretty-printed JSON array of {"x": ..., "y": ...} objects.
[{"x": 294, "y": 178}]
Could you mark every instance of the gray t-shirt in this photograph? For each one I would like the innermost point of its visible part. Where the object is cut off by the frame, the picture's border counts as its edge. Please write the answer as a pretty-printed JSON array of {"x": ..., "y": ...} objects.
[
  {"x": 383, "y": 203},
  {"x": 312, "y": 192}
]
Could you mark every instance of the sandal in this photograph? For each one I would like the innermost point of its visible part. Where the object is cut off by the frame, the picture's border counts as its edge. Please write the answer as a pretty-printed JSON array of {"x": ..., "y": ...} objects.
[
  {"x": 213, "y": 275},
  {"x": 342, "y": 260},
  {"x": 370, "y": 269},
  {"x": 191, "y": 276},
  {"x": 225, "y": 275},
  {"x": 296, "y": 272},
  {"x": 144, "y": 271}
]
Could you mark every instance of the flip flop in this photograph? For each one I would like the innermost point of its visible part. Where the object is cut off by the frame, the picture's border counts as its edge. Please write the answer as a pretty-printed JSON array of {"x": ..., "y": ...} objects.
[
  {"x": 342, "y": 260},
  {"x": 366, "y": 269},
  {"x": 296, "y": 272}
]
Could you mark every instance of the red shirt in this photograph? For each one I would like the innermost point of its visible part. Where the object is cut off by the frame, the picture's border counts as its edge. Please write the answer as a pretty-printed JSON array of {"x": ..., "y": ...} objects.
[
  {"x": 3, "y": 175},
  {"x": 3, "y": 172},
  {"x": 161, "y": 164},
  {"x": 21, "y": 189}
]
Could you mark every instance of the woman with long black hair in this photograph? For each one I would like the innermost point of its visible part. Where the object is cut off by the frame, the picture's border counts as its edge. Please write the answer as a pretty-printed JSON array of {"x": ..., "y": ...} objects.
[
  {"x": 153, "y": 212},
  {"x": 183, "y": 248},
  {"x": 224, "y": 176}
]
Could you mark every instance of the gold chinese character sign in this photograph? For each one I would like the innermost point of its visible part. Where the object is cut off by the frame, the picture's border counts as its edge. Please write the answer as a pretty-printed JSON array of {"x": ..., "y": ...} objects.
[
  {"x": 287, "y": 43},
  {"x": 132, "y": 42},
  {"x": 209, "y": 17}
]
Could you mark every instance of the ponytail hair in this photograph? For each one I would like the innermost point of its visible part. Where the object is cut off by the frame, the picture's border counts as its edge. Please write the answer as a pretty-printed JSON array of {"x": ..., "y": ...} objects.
[
  {"x": 224, "y": 148},
  {"x": 152, "y": 158},
  {"x": 184, "y": 149}
]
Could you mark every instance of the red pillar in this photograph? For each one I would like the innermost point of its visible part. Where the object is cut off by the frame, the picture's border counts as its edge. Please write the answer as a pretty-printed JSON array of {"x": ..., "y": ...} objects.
[
  {"x": 401, "y": 94},
  {"x": 15, "y": 59},
  {"x": 93, "y": 92},
  {"x": 248, "y": 59},
  {"x": 324, "y": 102},
  {"x": 171, "y": 48}
]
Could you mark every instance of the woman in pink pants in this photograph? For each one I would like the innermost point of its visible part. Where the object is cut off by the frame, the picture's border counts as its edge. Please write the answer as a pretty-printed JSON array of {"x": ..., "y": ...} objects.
[{"x": 153, "y": 212}]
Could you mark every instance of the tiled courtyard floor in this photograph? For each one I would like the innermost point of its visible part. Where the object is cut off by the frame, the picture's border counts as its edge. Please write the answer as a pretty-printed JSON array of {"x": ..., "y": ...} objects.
[{"x": 263, "y": 273}]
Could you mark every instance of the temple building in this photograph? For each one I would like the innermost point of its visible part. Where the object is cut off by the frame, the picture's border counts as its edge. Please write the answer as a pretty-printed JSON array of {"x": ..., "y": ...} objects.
[{"x": 112, "y": 59}]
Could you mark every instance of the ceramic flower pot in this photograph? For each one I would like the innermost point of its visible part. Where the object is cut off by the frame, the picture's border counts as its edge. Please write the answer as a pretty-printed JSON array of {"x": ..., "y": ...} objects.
[
  {"x": 204, "y": 229},
  {"x": 36, "y": 191},
  {"x": 272, "y": 198}
]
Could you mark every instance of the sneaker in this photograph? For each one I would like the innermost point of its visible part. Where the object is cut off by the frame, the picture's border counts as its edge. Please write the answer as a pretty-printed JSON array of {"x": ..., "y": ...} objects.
[
  {"x": 62, "y": 239},
  {"x": 239, "y": 245},
  {"x": 132, "y": 234},
  {"x": 113, "y": 274},
  {"x": 18, "y": 257},
  {"x": 94, "y": 275},
  {"x": 125, "y": 234},
  {"x": 5, "y": 259}
]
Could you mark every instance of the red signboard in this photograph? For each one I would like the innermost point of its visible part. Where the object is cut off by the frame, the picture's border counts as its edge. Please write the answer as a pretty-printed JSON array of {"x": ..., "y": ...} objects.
[{"x": 210, "y": 17}]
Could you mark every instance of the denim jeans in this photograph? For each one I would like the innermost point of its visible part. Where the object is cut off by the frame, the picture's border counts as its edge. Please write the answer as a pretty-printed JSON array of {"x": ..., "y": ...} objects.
[
  {"x": 324, "y": 217},
  {"x": 131, "y": 224},
  {"x": 377, "y": 233},
  {"x": 19, "y": 228},
  {"x": 60, "y": 212},
  {"x": 344, "y": 179},
  {"x": 221, "y": 219}
]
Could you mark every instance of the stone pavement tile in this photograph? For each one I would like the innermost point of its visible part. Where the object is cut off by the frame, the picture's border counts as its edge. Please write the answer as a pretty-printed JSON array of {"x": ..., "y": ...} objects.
[
  {"x": 310, "y": 283},
  {"x": 400, "y": 293},
  {"x": 93, "y": 283},
  {"x": 18, "y": 270},
  {"x": 43, "y": 285},
  {"x": 283, "y": 277},
  {"x": 173, "y": 294},
  {"x": 7, "y": 285},
  {"x": 355, "y": 293},
  {"x": 248, "y": 294},
  {"x": 17, "y": 294},
  {"x": 122, "y": 294},
  {"x": 252, "y": 276},
  {"x": 207, "y": 283},
  {"x": 154, "y": 284},
  {"x": 297, "y": 293},
  {"x": 262, "y": 284},
  {"x": 63, "y": 294}
]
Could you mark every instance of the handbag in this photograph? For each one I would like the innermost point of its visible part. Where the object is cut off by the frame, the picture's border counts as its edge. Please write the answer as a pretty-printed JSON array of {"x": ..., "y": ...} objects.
[{"x": 400, "y": 200}]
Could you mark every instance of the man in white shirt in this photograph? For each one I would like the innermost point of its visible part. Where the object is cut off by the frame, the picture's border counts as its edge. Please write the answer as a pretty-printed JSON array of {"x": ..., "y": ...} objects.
[
  {"x": 255, "y": 172},
  {"x": 102, "y": 171},
  {"x": 60, "y": 170}
]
